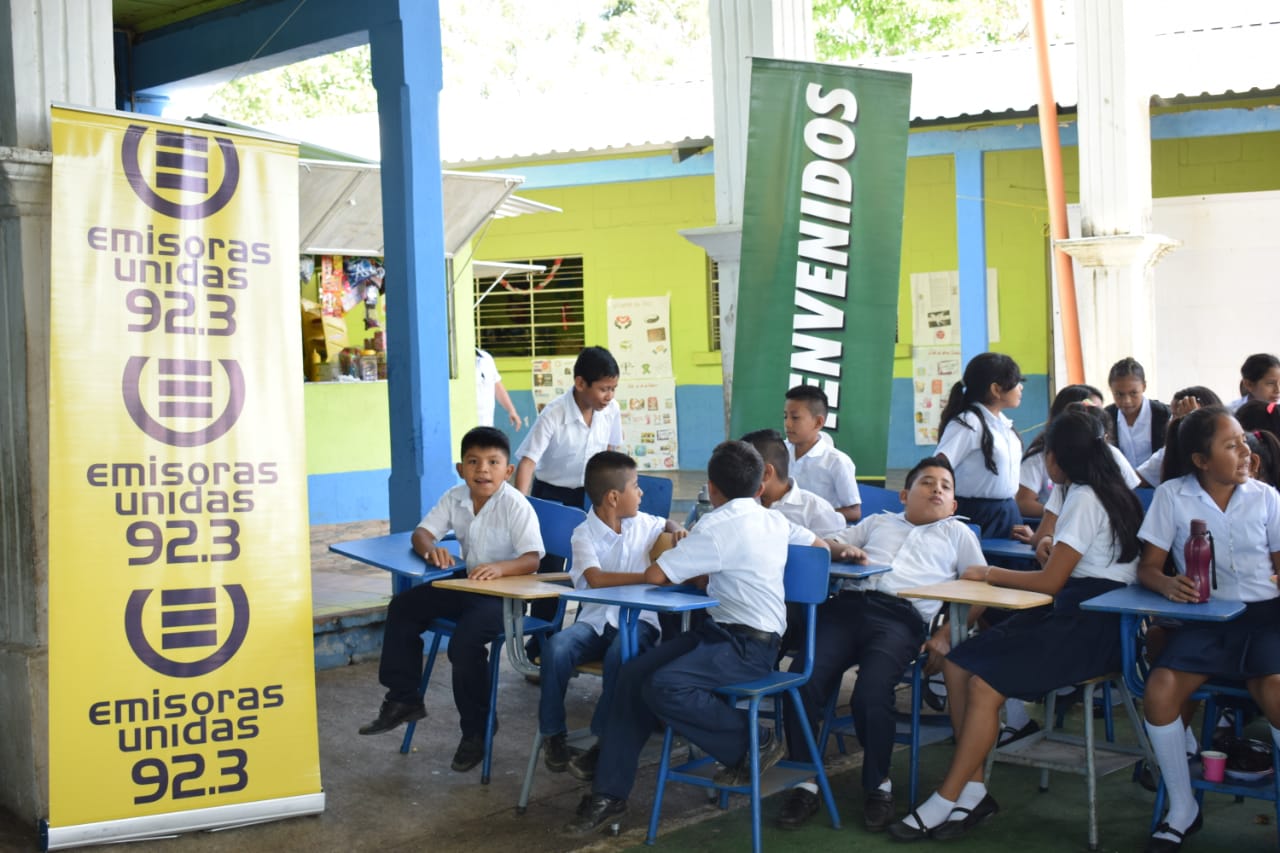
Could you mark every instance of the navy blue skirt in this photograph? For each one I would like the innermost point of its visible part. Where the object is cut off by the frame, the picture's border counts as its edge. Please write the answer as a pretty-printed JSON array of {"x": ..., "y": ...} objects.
[
  {"x": 996, "y": 516},
  {"x": 1246, "y": 647},
  {"x": 1035, "y": 651}
]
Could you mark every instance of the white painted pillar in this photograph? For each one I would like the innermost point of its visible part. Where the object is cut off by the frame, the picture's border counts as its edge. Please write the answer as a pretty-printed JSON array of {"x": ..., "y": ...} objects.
[
  {"x": 740, "y": 30},
  {"x": 50, "y": 50},
  {"x": 1115, "y": 250}
]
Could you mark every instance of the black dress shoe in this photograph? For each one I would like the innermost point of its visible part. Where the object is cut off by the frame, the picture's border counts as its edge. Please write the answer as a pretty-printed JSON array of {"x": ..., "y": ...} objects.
[
  {"x": 772, "y": 749},
  {"x": 594, "y": 812},
  {"x": 583, "y": 765},
  {"x": 961, "y": 820},
  {"x": 469, "y": 753},
  {"x": 800, "y": 805},
  {"x": 1008, "y": 734},
  {"x": 877, "y": 810},
  {"x": 391, "y": 715},
  {"x": 903, "y": 831},
  {"x": 1169, "y": 845},
  {"x": 555, "y": 753}
]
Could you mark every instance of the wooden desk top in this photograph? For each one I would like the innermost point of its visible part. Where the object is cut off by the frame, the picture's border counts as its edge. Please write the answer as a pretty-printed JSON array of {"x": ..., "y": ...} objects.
[
  {"x": 972, "y": 592},
  {"x": 517, "y": 586}
]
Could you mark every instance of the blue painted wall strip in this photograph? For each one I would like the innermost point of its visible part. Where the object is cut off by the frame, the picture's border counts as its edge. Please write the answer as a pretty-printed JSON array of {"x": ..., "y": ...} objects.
[
  {"x": 971, "y": 241},
  {"x": 348, "y": 496}
]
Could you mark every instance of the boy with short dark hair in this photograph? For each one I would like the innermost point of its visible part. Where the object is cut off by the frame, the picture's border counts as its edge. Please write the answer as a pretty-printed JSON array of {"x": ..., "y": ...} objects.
[
  {"x": 742, "y": 548},
  {"x": 867, "y": 625},
  {"x": 499, "y": 535},
  {"x": 782, "y": 493},
  {"x": 613, "y": 547},
  {"x": 816, "y": 463}
]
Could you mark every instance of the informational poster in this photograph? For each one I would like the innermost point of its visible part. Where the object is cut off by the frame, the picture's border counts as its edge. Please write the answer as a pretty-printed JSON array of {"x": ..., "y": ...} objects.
[
  {"x": 933, "y": 371},
  {"x": 181, "y": 663},
  {"x": 935, "y": 304},
  {"x": 551, "y": 378},
  {"x": 649, "y": 422},
  {"x": 640, "y": 336}
]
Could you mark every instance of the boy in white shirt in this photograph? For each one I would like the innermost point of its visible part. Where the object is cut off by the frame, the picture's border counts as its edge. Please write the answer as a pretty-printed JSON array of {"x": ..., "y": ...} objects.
[
  {"x": 499, "y": 535},
  {"x": 742, "y": 547},
  {"x": 783, "y": 494},
  {"x": 867, "y": 625},
  {"x": 816, "y": 463},
  {"x": 613, "y": 547}
]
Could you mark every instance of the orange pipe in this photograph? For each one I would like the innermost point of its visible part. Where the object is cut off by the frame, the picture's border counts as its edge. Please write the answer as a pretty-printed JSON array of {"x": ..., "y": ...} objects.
[{"x": 1051, "y": 148}]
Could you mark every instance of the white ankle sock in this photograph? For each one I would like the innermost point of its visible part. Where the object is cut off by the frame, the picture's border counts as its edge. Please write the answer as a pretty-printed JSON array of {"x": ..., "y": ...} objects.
[
  {"x": 1192, "y": 745},
  {"x": 1015, "y": 713},
  {"x": 811, "y": 787},
  {"x": 932, "y": 811},
  {"x": 1169, "y": 744},
  {"x": 971, "y": 794},
  {"x": 886, "y": 786}
]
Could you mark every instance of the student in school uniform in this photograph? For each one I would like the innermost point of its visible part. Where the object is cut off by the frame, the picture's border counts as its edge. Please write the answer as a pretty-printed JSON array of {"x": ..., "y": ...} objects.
[
  {"x": 816, "y": 463},
  {"x": 983, "y": 447},
  {"x": 867, "y": 625},
  {"x": 612, "y": 547},
  {"x": 742, "y": 548},
  {"x": 1138, "y": 422},
  {"x": 1034, "y": 483},
  {"x": 489, "y": 388},
  {"x": 1211, "y": 461},
  {"x": 499, "y": 535},
  {"x": 781, "y": 492},
  {"x": 1033, "y": 652},
  {"x": 1259, "y": 380},
  {"x": 1183, "y": 402}
]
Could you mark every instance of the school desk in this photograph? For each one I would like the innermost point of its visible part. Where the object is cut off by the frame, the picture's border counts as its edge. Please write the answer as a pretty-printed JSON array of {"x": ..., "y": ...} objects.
[
  {"x": 514, "y": 591},
  {"x": 964, "y": 594},
  {"x": 632, "y": 599}
]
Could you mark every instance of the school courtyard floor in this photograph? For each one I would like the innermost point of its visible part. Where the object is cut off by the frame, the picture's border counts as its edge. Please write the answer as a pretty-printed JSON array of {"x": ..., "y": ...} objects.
[{"x": 380, "y": 800}]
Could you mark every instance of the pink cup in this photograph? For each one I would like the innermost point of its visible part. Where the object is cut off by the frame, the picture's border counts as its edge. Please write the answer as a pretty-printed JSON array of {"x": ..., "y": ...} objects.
[{"x": 1214, "y": 764}]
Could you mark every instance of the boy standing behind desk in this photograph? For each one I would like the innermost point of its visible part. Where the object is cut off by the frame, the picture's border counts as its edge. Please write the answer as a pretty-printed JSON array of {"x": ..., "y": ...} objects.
[
  {"x": 499, "y": 535},
  {"x": 816, "y": 463},
  {"x": 742, "y": 547},
  {"x": 612, "y": 547}
]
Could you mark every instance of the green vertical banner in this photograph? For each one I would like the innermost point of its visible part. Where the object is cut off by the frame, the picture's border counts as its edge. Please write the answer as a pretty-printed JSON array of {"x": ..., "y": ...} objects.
[{"x": 821, "y": 245}]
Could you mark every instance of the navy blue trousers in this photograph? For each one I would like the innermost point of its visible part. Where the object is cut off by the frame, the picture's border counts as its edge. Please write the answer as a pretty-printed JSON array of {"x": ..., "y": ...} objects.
[{"x": 674, "y": 683}]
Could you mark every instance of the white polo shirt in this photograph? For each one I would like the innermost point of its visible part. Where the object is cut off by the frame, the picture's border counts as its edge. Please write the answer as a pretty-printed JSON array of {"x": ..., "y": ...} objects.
[
  {"x": 963, "y": 448},
  {"x": 560, "y": 442},
  {"x": 1083, "y": 526},
  {"x": 919, "y": 553},
  {"x": 826, "y": 471},
  {"x": 505, "y": 527},
  {"x": 1135, "y": 441},
  {"x": 743, "y": 547},
  {"x": 487, "y": 379},
  {"x": 596, "y": 545},
  {"x": 1244, "y": 536},
  {"x": 805, "y": 509},
  {"x": 1054, "y": 504}
]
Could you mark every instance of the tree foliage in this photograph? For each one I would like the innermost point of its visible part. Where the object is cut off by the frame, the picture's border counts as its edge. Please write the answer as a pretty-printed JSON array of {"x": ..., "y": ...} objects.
[{"x": 854, "y": 29}]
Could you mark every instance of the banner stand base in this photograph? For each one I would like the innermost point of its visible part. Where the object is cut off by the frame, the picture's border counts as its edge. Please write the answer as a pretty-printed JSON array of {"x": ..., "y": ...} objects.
[{"x": 176, "y": 823}]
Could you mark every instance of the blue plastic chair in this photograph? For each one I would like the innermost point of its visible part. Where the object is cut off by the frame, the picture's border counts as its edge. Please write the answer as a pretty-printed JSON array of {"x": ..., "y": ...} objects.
[
  {"x": 657, "y": 495},
  {"x": 876, "y": 499},
  {"x": 556, "y": 523},
  {"x": 1145, "y": 494},
  {"x": 806, "y": 583}
]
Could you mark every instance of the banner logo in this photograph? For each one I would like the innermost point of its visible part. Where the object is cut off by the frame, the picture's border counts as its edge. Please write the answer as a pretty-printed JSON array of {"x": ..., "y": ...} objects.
[
  {"x": 184, "y": 390},
  {"x": 181, "y": 165},
  {"x": 183, "y": 626}
]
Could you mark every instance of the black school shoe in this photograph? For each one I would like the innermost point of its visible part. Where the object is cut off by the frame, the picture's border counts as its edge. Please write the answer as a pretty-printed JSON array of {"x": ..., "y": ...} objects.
[
  {"x": 391, "y": 715},
  {"x": 800, "y": 805},
  {"x": 594, "y": 811},
  {"x": 1168, "y": 845},
  {"x": 469, "y": 753},
  {"x": 954, "y": 827},
  {"x": 772, "y": 750},
  {"x": 583, "y": 765},
  {"x": 555, "y": 752},
  {"x": 877, "y": 810}
]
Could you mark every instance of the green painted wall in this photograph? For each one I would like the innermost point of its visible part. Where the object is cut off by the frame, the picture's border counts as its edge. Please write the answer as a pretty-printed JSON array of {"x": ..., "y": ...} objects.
[
  {"x": 928, "y": 238},
  {"x": 347, "y": 426}
]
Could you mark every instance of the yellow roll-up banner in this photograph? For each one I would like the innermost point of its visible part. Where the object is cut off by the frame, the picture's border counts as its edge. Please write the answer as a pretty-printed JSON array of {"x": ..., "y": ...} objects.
[{"x": 181, "y": 674}]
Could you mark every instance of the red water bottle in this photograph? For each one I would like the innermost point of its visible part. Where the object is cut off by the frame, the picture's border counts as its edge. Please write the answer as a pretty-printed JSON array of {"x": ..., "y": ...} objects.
[{"x": 1201, "y": 566}]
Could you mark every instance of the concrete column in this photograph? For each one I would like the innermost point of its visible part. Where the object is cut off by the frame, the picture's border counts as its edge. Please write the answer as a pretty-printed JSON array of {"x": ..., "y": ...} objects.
[
  {"x": 53, "y": 50},
  {"x": 740, "y": 30},
  {"x": 1115, "y": 249},
  {"x": 404, "y": 38}
]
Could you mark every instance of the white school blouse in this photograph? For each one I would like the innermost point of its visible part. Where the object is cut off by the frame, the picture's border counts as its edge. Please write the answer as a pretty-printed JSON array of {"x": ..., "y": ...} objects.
[
  {"x": 826, "y": 471},
  {"x": 963, "y": 449},
  {"x": 560, "y": 442},
  {"x": 743, "y": 547},
  {"x": 1135, "y": 441},
  {"x": 505, "y": 527},
  {"x": 596, "y": 545},
  {"x": 805, "y": 509},
  {"x": 1244, "y": 536},
  {"x": 919, "y": 553},
  {"x": 1054, "y": 504},
  {"x": 1083, "y": 526}
]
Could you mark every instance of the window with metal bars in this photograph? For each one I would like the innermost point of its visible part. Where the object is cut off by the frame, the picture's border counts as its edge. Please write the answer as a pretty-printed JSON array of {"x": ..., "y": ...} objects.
[
  {"x": 534, "y": 314},
  {"x": 713, "y": 305}
]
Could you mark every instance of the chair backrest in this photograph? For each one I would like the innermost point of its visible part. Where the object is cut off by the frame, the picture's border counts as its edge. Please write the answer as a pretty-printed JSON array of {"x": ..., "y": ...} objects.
[
  {"x": 657, "y": 495},
  {"x": 806, "y": 576},
  {"x": 556, "y": 522},
  {"x": 1145, "y": 494},
  {"x": 876, "y": 499},
  {"x": 977, "y": 531}
]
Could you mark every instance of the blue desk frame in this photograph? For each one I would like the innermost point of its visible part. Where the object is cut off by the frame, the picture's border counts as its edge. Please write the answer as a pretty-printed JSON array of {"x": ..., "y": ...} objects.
[{"x": 634, "y": 598}]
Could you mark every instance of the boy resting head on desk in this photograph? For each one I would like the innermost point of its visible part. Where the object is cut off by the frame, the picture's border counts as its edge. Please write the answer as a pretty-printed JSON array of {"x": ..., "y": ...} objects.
[
  {"x": 612, "y": 547},
  {"x": 741, "y": 548},
  {"x": 498, "y": 532}
]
